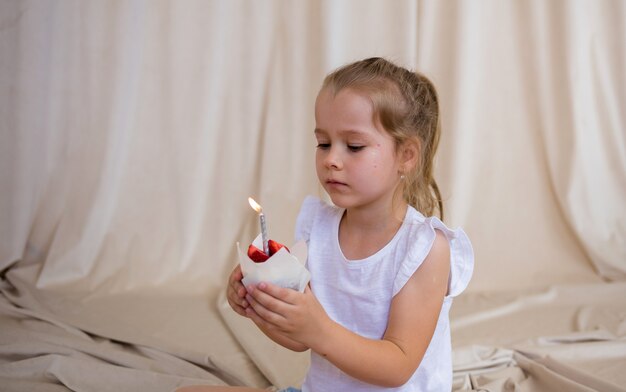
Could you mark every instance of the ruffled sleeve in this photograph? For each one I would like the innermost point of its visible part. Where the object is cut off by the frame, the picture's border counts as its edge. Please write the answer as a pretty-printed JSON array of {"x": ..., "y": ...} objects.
[
  {"x": 423, "y": 237},
  {"x": 304, "y": 222}
]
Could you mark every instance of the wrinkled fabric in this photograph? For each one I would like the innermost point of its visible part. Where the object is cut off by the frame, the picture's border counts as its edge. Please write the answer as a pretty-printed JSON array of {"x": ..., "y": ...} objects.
[{"x": 132, "y": 133}]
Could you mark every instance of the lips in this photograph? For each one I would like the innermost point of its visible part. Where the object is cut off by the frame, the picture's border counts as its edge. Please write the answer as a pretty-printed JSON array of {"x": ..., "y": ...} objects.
[
  {"x": 334, "y": 186},
  {"x": 335, "y": 182}
]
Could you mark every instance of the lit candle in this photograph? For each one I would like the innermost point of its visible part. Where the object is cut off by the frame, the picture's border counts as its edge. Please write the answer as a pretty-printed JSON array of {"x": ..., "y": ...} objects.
[{"x": 258, "y": 209}]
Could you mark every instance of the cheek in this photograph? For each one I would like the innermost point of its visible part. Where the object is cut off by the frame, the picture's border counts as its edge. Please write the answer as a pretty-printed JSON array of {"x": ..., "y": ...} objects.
[
  {"x": 380, "y": 159},
  {"x": 318, "y": 160},
  {"x": 320, "y": 165},
  {"x": 374, "y": 159}
]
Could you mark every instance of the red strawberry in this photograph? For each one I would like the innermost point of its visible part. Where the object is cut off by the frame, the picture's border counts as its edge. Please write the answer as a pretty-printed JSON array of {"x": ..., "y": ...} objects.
[
  {"x": 275, "y": 246},
  {"x": 257, "y": 255}
]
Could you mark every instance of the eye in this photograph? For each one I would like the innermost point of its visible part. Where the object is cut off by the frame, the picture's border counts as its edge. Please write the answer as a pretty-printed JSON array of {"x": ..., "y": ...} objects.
[
  {"x": 355, "y": 148},
  {"x": 323, "y": 146}
]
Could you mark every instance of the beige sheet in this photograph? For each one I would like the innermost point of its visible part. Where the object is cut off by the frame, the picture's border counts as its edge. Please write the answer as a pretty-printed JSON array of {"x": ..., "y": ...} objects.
[
  {"x": 134, "y": 341},
  {"x": 565, "y": 338},
  {"x": 132, "y": 133},
  {"x": 562, "y": 338}
]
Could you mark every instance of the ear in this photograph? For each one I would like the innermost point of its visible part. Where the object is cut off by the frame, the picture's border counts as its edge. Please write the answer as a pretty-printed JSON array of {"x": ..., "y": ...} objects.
[{"x": 409, "y": 154}]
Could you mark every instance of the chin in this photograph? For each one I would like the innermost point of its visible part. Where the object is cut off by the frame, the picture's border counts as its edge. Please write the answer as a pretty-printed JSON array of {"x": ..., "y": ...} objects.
[{"x": 340, "y": 201}]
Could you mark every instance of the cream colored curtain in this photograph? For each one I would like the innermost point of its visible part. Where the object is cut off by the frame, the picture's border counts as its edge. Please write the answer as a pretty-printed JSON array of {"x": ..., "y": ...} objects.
[{"x": 132, "y": 132}]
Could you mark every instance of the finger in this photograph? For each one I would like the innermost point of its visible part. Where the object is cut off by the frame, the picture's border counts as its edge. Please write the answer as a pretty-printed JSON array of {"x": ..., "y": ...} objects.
[
  {"x": 268, "y": 301},
  {"x": 258, "y": 321},
  {"x": 237, "y": 290},
  {"x": 257, "y": 307},
  {"x": 263, "y": 312},
  {"x": 238, "y": 309},
  {"x": 240, "y": 290},
  {"x": 237, "y": 296},
  {"x": 236, "y": 275},
  {"x": 285, "y": 295},
  {"x": 235, "y": 286},
  {"x": 239, "y": 301}
]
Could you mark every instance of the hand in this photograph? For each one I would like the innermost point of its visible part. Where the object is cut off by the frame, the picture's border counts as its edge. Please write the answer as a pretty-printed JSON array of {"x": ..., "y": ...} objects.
[
  {"x": 298, "y": 316},
  {"x": 236, "y": 292}
]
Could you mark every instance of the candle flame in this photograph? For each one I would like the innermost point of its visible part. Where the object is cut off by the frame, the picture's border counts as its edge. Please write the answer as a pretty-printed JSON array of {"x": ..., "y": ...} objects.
[{"x": 255, "y": 205}]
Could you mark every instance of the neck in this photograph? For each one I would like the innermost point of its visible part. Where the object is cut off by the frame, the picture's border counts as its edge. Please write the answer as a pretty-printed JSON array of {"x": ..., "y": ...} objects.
[
  {"x": 364, "y": 231},
  {"x": 374, "y": 220},
  {"x": 377, "y": 217}
]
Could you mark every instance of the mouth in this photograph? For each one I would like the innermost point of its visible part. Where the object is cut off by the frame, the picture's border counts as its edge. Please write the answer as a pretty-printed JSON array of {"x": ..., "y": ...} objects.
[{"x": 335, "y": 183}]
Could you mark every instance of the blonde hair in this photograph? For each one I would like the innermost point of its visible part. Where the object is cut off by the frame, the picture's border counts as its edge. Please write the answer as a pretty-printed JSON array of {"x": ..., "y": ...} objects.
[{"x": 406, "y": 105}]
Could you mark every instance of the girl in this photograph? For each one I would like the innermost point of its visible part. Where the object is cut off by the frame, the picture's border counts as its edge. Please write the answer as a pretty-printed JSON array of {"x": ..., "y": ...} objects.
[{"x": 383, "y": 270}]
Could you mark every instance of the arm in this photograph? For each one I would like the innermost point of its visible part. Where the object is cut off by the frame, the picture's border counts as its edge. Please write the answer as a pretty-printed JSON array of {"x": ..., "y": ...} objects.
[
  {"x": 389, "y": 361},
  {"x": 236, "y": 295}
]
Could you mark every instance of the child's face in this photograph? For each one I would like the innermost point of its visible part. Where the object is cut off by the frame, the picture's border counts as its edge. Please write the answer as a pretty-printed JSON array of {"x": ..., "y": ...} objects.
[{"x": 356, "y": 158}]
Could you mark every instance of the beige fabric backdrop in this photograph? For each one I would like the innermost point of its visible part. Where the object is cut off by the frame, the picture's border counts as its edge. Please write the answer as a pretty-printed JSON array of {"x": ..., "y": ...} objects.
[{"x": 132, "y": 132}]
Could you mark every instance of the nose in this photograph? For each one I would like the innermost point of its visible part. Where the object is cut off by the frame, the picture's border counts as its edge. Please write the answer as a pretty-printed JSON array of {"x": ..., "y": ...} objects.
[{"x": 333, "y": 159}]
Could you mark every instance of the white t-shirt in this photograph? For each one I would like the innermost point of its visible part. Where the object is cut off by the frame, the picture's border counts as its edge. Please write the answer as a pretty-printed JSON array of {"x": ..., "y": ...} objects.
[{"x": 357, "y": 294}]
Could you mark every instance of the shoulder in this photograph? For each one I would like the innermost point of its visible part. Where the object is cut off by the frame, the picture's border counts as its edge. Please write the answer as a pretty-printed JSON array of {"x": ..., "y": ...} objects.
[
  {"x": 313, "y": 203},
  {"x": 312, "y": 208},
  {"x": 436, "y": 264},
  {"x": 432, "y": 273},
  {"x": 429, "y": 238},
  {"x": 440, "y": 249}
]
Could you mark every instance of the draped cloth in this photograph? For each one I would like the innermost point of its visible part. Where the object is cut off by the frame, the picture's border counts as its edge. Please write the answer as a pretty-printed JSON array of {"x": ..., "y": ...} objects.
[{"x": 132, "y": 133}]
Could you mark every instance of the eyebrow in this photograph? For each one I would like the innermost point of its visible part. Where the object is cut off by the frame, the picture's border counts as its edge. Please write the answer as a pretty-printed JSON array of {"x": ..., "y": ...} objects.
[{"x": 345, "y": 132}]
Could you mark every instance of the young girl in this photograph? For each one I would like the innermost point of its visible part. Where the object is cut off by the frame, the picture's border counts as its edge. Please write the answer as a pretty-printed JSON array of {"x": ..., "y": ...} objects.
[{"x": 383, "y": 270}]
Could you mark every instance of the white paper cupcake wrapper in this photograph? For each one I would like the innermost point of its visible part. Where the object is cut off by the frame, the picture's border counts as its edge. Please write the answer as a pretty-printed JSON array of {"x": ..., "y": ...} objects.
[{"x": 283, "y": 268}]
